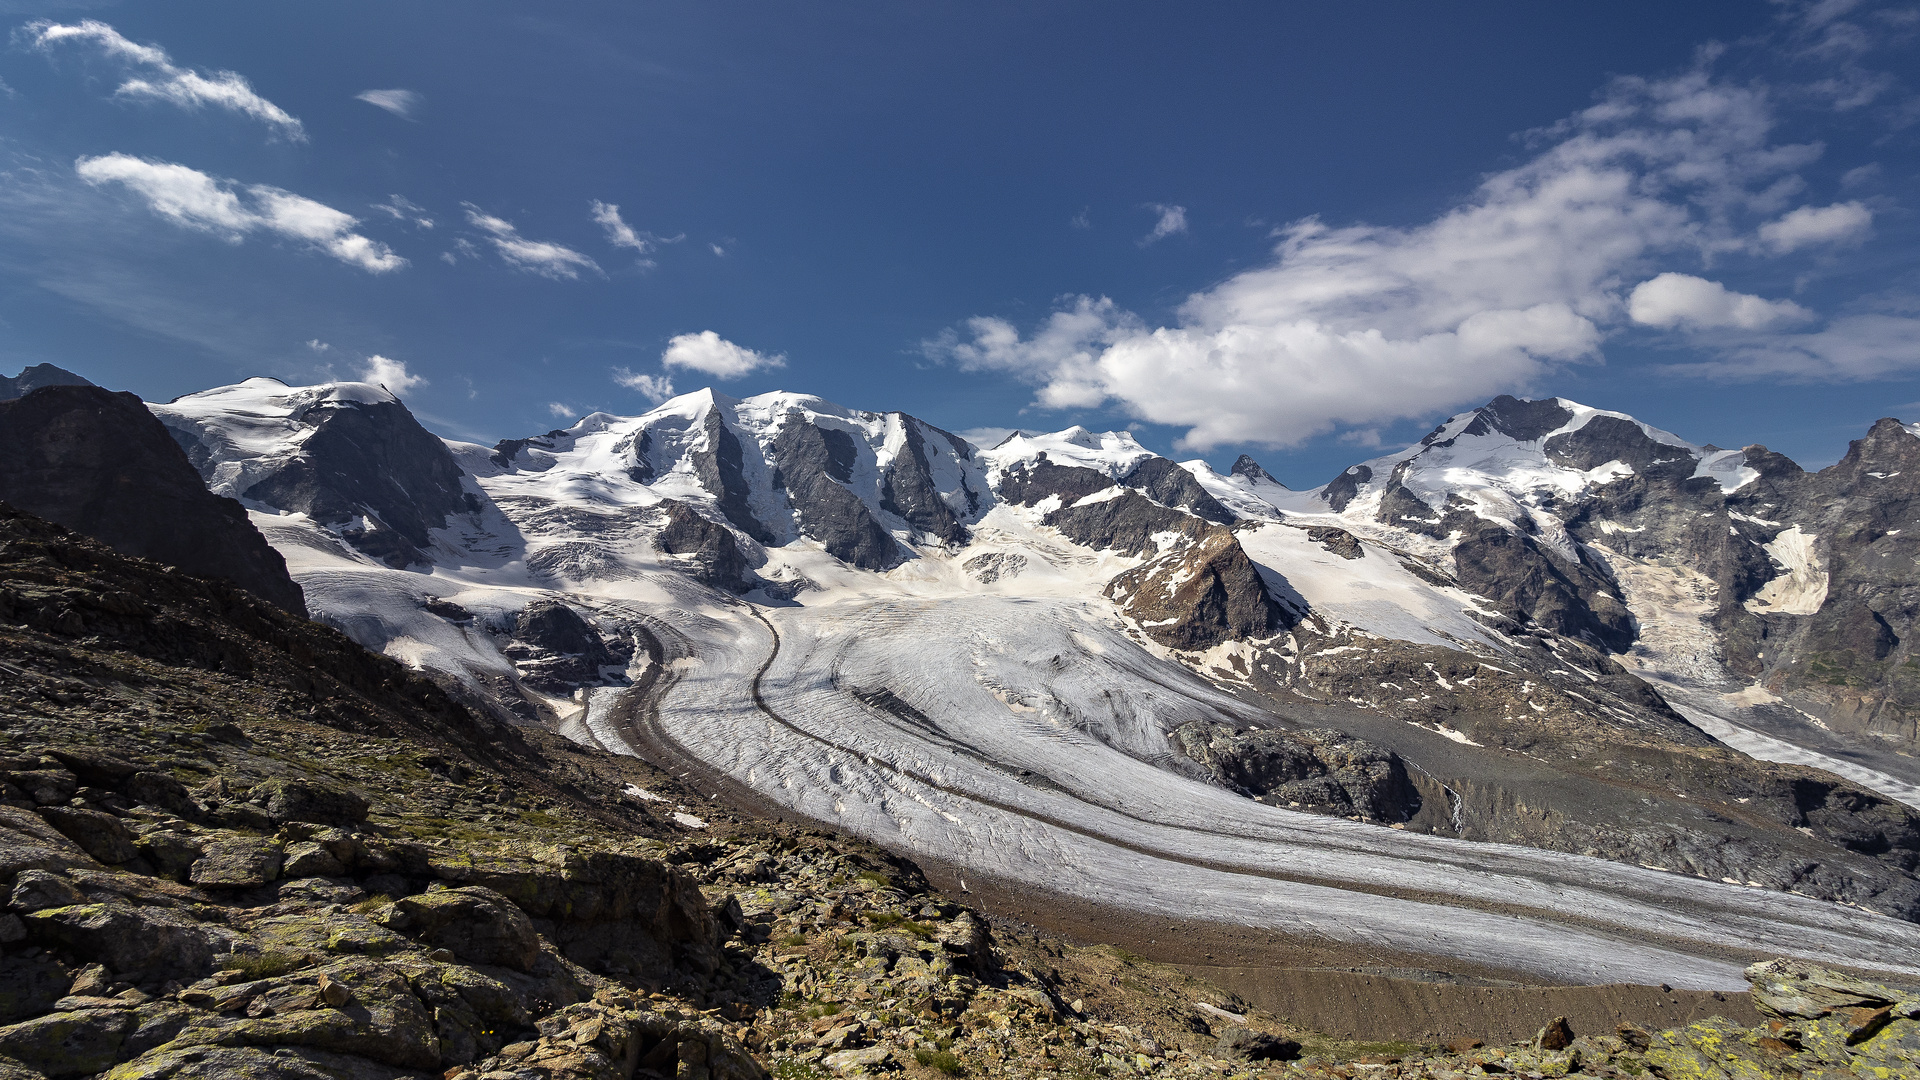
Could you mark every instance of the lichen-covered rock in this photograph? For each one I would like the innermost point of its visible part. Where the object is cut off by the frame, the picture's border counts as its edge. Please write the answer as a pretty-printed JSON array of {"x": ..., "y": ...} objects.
[
  {"x": 135, "y": 942},
  {"x": 37, "y": 890},
  {"x": 306, "y": 800},
  {"x": 237, "y": 862},
  {"x": 102, "y": 836},
  {"x": 477, "y": 924},
  {"x": 64, "y": 1044}
]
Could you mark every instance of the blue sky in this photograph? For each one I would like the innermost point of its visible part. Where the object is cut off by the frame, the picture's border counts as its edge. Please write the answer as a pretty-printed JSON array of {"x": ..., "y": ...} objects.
[{"x": 1305, "y": 231}]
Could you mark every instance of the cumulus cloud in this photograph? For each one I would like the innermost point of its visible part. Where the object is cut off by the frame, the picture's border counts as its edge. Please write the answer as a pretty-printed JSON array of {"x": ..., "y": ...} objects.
[
  {"x": 541, "y": 257},
  {"x": 401, "y": 103},
  {"x": 708, "y": 352},
  {"x": 194, "y": 200},
  {"x": 1841, "y": 223},
  {"x": 391, "y": 374},
  {"x": 1358, "y": 326},
  {"x": 161, "y": 80},
  {"x": 1682, "y": 300},
  {"x": 1173, "y": 220},
  {"x": 656, "y": 388},
  {"x": 317, "y": 345}
]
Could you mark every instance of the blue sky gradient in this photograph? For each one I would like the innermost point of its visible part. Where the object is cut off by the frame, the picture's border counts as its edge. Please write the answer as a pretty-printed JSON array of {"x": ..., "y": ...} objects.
[{"x": 847, "y": 191}]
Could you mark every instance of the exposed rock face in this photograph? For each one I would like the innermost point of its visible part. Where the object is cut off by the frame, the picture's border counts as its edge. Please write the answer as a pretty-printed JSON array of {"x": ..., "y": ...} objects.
[
  {"x": 1342, "y": 489},
  {"x": 1339, "y": 541},
  {"x": 815, "y": 464},
  {"x": 1531, "y": 583},
  {"x": 719, "y": 467},
  {"x": 908, "y": 489},
  {"x": 555, "y": 649},
  {"x": 716, "y": 558},
  {"x": 1200, "y": 595},
  {"x": 1244, "y": 465},
  {"x": 35, "y": 377},
  {"x": 1318, "y": 770},
  {"x": 1853, "y": 658},
  {"x": 1027, "y": 485},
  {"x": 1126, "y": 524},
  {"x": 99, "y": 463},
  {"x": 507, "y": 452},
  {"x": 1170, "y": 485},
  {"x": 371, "y": 463}
]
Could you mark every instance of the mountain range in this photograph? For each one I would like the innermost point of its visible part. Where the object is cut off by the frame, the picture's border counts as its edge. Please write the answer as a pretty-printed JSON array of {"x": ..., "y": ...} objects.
[{"x": 1553, "y": 690}]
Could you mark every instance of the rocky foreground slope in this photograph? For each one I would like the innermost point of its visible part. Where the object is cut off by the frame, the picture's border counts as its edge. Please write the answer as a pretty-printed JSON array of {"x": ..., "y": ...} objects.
[{"x": 235, "y": 844}]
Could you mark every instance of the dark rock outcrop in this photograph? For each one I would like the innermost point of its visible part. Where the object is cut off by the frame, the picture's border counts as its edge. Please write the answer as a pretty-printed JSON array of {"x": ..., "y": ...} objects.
[
  {"x": 1200, "y": 595},
  {"x": 908, "y": 488},
  {"x": 555, "y": 649},
  {"x": 714, "y": 556},
  {"x": 1341, "y": 489},
  {"x": 1244, "y": 465},
  {"x": 814, "y": 464},
  {"x": 99, "y": 463},
  {"x": 1165, "y": 482},
  {"x": 1530, "y": 583},
  {"x": 719, "y": 467},
  {"x": 1126, "y": 524},
  {"x": 506, "y": 452},
  {"x": 1027, "y": 484},
  {"x": 1318, "y": 770}
]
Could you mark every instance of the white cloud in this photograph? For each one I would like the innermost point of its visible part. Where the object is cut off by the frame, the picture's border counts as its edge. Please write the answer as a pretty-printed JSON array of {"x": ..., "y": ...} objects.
[
  {"x": 619, "y": 233},
  {"x": 1362, "y": 325},
  {"x": 1841, "y": 223},
  {"x": 541, "y": 257},
  {"x": 1851, "y": 348},
  {"x": 193, "y": 199},
  {"x": 1682, "y": 300},
  {"x": 1173, "y": 219},
  {"x": 656, "y": 388},
  {"x": 317, "y": 345},
  {"x": 400, "y": 208},
  {"x": 391, "y": 374},
  {"x": 534, "y": 256},
  {"x": 1082, "y": 220},
  {"x": 401, "y": 103},
  {"x": 166, "y": 82},
  {"x": 708, "y": 352},
  {"x": 561, "y": 411}
]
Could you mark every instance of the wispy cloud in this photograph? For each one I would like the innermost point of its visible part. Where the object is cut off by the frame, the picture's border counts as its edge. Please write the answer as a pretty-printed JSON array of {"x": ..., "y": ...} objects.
[
  {"x": 162, "y": 80},
  {"x": 561, "y": 411},
  {"x": 708, "y": 352},
  {"x": 1173, "y": 220},
  {"x": 317, "y": 345},
  {"x": 195, "y": 200},
  {"x": 400, "y": 209},
  {"x": 392, "y": 374},
  {"x": 550, "y": 260},
  {"x": 401, "y": 103},
  {"x": 656, "y": 388},
  {"x": 620, "y": 234}
]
